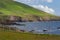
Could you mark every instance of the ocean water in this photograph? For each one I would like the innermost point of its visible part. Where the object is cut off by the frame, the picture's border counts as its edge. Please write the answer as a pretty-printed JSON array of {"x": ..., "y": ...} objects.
[{"x": 50, "y": 27}]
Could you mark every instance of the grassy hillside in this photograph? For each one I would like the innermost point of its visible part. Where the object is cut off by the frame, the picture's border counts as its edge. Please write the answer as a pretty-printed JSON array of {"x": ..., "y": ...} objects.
[{"x": 10, "y": 7}]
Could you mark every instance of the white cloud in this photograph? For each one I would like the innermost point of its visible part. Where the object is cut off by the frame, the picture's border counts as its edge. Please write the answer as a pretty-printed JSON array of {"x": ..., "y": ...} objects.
[
  {"x": 44, "y": 8},
  {"x": 23, "y": 1},
  {"x": 49, "y": 1},
  {"x": 34, "y": 1},
  {"x": 29, "y": 0}
]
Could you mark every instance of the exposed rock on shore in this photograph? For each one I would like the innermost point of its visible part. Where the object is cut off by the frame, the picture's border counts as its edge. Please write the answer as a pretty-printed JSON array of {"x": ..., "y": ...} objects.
[{"x": 27, "y": 18}]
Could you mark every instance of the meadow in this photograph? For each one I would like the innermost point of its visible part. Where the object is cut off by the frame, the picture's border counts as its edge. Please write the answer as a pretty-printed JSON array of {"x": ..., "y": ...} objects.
[{"x": 12, "y": 35}]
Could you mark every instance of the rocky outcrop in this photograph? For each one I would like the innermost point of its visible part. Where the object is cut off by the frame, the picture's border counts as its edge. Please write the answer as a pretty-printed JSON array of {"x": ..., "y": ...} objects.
[
  {"x": 31, "y": 18},
  {"x": 34, "y": 18},
  {"x": 28, "y": 18}
]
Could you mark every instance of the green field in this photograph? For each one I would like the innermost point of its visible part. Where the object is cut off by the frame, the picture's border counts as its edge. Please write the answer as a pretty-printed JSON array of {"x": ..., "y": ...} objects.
[{"x": 8, "y": 35}]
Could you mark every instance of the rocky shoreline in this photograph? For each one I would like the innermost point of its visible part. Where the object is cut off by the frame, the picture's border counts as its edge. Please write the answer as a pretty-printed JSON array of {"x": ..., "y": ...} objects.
[{"x": 11, "y": 19}]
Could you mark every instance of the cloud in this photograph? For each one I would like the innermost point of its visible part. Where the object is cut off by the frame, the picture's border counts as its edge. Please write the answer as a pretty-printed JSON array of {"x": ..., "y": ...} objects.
[
  {"x": 49, "y": 1},
  {"x": 44, "y": 8},
  {"x": 23, "y": 1},
  {"x": 29, "y": 0}
]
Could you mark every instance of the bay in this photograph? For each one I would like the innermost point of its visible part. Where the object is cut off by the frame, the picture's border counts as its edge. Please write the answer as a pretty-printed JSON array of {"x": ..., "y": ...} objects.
[{"x": 50, "y": 27}]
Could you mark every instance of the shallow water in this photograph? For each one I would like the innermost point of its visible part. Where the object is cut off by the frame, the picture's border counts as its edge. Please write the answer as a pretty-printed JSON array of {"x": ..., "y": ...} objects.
[{"x": 50, "y": 26}]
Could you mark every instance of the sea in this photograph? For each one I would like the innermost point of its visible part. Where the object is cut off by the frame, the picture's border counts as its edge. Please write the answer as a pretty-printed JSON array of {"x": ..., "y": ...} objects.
[{"x": 42, "y": 27}]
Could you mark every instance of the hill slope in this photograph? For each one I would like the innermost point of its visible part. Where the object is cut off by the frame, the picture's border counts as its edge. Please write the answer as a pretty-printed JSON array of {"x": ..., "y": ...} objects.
[{"x": 10, "y": 7}]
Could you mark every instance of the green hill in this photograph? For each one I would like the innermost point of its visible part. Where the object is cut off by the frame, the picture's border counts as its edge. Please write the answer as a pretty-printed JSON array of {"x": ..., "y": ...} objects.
[{"x": 10, "y": 7}]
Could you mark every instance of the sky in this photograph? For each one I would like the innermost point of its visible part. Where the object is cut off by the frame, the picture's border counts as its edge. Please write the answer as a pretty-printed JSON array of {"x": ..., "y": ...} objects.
[{"x": 49, "y": 6}]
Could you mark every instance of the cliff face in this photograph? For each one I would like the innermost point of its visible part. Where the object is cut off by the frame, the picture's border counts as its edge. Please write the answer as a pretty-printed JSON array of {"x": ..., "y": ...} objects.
[
  {"x": 4, "y": 19},
  {"x": 37, "y": 18}
]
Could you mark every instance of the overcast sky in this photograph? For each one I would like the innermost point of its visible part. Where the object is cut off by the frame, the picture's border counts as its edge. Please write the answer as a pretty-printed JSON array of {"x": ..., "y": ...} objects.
[{"x": 49, "y": 6}]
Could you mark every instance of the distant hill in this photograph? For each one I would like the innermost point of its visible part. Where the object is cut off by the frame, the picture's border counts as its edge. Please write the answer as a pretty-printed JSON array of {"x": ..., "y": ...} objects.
[{"x": 13, "y": 8}]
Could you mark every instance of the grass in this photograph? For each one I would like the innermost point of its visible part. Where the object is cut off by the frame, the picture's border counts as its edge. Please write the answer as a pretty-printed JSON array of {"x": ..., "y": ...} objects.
[{"x": 12, "y": 35}]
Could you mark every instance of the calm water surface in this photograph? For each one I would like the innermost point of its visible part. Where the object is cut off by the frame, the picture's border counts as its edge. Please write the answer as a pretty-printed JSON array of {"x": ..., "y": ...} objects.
[{"x": 50, "y": 26}]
